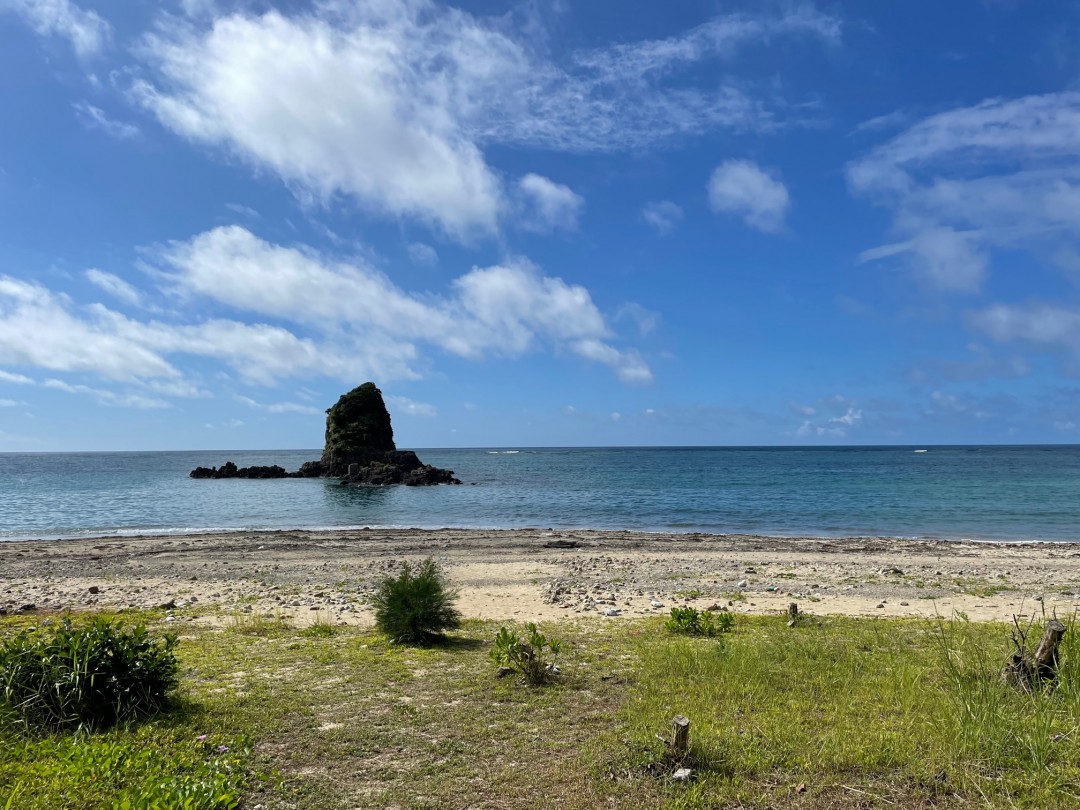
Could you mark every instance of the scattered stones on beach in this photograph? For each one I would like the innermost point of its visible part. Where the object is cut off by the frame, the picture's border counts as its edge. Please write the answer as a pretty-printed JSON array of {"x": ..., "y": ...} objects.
[{"x": 304, "y": 576}]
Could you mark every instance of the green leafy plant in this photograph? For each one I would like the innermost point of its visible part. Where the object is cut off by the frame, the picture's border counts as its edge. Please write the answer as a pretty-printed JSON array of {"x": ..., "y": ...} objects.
[
  {"x": 534, "y": 657},
  {"x": 689, "y": 621},
  {"x": 86, "y": 674},
  {"x": 416, "y": 608}
]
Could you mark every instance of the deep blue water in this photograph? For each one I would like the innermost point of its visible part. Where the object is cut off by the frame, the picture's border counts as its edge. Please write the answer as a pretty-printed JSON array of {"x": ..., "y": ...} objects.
[{"x": 991, "y": 493}]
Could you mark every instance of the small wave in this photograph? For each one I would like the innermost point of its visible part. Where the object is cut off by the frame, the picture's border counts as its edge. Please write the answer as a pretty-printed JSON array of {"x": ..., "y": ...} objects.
[{"x": 920, "y": 451}]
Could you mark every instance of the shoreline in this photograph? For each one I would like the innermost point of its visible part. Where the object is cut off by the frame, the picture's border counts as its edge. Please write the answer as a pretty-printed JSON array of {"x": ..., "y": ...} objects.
[
  {"x": 540, "y": 574},
  {"x": 224, "y": 531}
]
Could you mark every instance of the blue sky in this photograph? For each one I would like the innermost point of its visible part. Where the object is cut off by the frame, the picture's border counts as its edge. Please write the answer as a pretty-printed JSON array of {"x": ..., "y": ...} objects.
[{"x": 549, "y": 223}]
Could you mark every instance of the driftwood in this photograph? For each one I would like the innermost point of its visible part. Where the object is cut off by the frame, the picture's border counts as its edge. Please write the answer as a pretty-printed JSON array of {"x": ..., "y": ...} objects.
[{"x": 1025, "y": 669}]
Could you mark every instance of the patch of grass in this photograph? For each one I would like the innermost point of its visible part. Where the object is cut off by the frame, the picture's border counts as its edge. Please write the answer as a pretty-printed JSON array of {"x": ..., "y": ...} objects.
[
  {"x": 256, "y": 624},
  {"x": 84, "y": 673},
  {"x": 862, "y": 713},
  {"x": 733, "y": 596},
  {"x": 322, "y": 627},
  {"x": 865, "y": 713},
  {"x": 978, "y": 587}
]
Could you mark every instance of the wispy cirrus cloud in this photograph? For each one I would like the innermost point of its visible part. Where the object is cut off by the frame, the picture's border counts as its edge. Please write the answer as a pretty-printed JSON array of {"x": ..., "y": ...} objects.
[
  {"x": 964, "y": 183},
  {"x": 87, "y": 31},
  {"x": 663, "y": 215},
  {"x": 95, "y": 118}
]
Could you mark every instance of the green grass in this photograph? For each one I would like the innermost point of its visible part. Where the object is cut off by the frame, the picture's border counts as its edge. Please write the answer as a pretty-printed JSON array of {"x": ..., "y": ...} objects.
[
  {"x": 978, "y": 587},
  {"x": 859, "y": 712}
]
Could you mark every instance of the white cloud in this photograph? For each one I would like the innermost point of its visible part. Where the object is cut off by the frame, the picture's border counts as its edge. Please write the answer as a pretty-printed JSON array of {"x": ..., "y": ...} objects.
[
  {"x": 8, "y": 403},
  {"x": 17, "y": 379},
  {"x": 87, "y": 32},
  {"x": 280, "y": 407},
  {"x": 106, "y": 397},
  {"x": 851, "y": 417},
  {"x": 646, "y": 320},
  {"x": 744, "y": 189},
  {"x": 1043, "y": 326},
  {"x": 347, "y": 321},
  {"x": 1002, "y": 174},
  {"x": 243, "y": 210},
  {"x": 115, "y": 286},
  {"x": 199, "y": 8},
  {"x": 616, "y": 416},
  {"x": 411, "y": 407},
  {"x": 663, "y": 215},
  {"x": 419, "y": 253},
  {"x": 549, "y": 205},
  {"x": 354, "y": 107},
  {"x": 391, "y": 103},
  {"x": 36, "y": 329},
  {"x": 95, "y": 118}
]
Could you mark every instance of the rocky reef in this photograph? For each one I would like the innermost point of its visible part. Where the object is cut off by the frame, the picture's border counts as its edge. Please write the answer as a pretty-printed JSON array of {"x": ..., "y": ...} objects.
[{"x": 359, "y": 449}]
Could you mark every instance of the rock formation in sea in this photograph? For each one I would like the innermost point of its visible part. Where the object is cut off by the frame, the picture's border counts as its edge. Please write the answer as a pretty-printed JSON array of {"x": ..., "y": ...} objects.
[{"x": 359, "y": 449}]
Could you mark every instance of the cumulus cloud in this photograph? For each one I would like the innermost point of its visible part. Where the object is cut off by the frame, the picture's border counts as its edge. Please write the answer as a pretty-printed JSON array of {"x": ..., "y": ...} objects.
[
  {"x": 663, "y": 215},
  {"x": 392, "y": 103},
  {"x": 743, "y": 189},
  {"x": 95, "y": 118},
  {"x": 549, "y": 205},
  {"x": 87, "y": 32},
  {"x": 998, "y": 175},
  {"x": 342, "y": 320}
]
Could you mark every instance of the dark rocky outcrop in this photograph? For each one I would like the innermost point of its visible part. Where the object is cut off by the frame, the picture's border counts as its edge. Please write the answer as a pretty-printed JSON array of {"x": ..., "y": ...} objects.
[
  {"x": 230, "y": 470},
  {"x": 359, "y": 450}
]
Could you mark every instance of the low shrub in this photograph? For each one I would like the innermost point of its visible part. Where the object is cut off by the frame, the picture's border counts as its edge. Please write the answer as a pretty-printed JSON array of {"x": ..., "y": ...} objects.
[
  {"x": 527, "y": 656},
  {"x": 688, "y": 621},
  {"x": 416, "y": 608},
  {"x": 87, "y": 674}
]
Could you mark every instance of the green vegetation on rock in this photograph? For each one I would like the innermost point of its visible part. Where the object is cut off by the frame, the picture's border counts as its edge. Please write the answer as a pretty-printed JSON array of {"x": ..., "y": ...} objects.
[{"x": 358, "y": 430}]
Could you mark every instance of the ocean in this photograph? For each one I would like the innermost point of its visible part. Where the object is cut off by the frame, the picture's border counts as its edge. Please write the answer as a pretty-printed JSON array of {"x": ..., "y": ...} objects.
[{"x": 980, "y": 493}]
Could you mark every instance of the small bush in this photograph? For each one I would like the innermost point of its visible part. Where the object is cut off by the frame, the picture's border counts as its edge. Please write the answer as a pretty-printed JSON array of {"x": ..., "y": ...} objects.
[
  {"x": 688, "y": 621},
  {"x": 91, "y": 675},
  {"x": 416, "y": 608},
  {"x": 527, "y": 656}
]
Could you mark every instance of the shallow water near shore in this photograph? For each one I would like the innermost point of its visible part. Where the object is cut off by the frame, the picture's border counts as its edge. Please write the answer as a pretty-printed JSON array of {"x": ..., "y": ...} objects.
[{"x": 989, "y": 493}]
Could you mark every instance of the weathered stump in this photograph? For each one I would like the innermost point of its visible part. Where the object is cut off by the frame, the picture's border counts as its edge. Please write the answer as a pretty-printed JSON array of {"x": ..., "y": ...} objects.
[
  {"x": 793, "y": 614},
  {"x": 1025, "y": 669}
]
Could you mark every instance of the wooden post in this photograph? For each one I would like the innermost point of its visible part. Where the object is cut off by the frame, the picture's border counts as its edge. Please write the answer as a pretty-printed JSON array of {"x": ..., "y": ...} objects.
[
  {"x": 793, "y": 614},
  {"x": 680, "y": 738}
]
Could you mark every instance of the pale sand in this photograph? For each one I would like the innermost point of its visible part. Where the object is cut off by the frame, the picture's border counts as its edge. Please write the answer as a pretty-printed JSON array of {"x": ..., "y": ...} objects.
[{"x": 512, "y": 575}]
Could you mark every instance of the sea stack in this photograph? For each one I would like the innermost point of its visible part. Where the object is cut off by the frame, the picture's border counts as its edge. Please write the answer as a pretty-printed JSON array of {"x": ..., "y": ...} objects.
[
  {"x": 360, "y": 445},
  {"x": 359, "y": 449}
]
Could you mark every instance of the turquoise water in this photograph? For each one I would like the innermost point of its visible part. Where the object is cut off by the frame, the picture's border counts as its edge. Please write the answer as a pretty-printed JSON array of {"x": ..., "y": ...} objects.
[{"x": 991, "y": 493}]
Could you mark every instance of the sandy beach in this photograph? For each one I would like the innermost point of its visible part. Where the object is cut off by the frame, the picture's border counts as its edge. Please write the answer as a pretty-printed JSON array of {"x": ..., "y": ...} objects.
[{"x": 526, "y": 575}]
